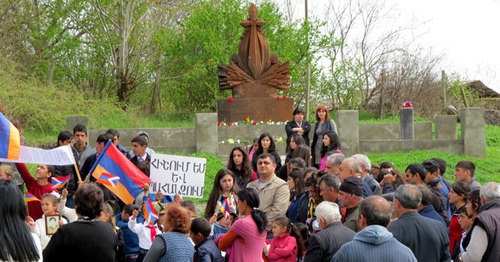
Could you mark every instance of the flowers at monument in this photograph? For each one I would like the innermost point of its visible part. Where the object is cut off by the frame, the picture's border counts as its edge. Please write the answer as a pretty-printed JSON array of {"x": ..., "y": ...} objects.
[
  {"x": 407, "y": 104},
  {"x": 249, "y": 121},
  {"x": 231, "y": 99},
  {"x": 278, "y": 97}
]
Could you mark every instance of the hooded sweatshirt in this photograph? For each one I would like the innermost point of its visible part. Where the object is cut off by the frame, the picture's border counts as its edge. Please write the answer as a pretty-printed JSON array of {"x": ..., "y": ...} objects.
[{"x": 374, "y": 243}]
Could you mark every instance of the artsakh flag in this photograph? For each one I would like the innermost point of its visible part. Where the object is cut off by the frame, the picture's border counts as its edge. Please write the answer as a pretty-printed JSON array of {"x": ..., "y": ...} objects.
[
  {"x": 150, "y": 211},
  {"x": 30, "y": 197},
  {"x": 59, "y": 182},
  {"x": 224, "y": 208},
  {"x": 10, "y": 140},
  {"x": 115, "y": 171}
]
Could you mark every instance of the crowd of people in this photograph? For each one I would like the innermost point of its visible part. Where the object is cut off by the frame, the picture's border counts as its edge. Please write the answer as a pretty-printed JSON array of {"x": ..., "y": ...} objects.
[{"x": 319, "y": 205}]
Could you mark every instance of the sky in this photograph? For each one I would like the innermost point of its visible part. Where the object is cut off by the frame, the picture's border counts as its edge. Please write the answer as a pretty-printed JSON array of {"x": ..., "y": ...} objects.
[{"x": 464, "y": 31}]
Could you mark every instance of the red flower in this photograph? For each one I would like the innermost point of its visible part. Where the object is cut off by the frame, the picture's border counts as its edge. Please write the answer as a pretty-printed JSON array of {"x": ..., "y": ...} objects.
[
  {"x": 278, "y": 97},
  {"x": 231, "y": 99},
  {"x": 254, "y": 123},
  {"x": 284, "y": 97},
  {"x": 230, "y": 124},
  {"x": 218, "y": 123}
]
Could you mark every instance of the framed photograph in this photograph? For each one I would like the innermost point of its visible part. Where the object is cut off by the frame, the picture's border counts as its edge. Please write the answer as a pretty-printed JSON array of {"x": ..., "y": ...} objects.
[{"x": 51, "y": 224}]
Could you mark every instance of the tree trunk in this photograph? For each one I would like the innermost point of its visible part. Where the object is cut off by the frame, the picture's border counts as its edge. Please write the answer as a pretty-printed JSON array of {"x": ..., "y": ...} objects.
[{"x": 156, "y": 87}]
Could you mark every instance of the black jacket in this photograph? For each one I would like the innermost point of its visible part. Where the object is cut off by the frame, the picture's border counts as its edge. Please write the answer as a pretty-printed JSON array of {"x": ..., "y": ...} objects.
[
  {"x": 83, "y": 241},
  {"x": 489, "y": 220},
  {"x": 426, "y": 237},
  {"x": 291, "y": 125},
  {"x": 324, "y": 244}
]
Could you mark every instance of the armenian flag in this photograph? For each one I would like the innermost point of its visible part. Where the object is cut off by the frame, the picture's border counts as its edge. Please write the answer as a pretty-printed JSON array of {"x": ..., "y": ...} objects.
[
  {"x": 30, "y": 197},
  {"x": 115, "y": 171},
  {"x": 149, "y": 211},
  {"x": 224, "y": 208},
  {"x": 59, "y": 182},
  {"x": 10, "y": 140}
]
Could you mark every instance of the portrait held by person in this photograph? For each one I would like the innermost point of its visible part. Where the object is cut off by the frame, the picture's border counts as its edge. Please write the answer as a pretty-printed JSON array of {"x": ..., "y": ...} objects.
[{"x": 88, "y": 238}]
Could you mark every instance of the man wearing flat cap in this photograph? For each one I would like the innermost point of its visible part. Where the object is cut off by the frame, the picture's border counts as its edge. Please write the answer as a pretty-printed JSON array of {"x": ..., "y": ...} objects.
[
  {"x": 297, "y": 126},
  {"x": 351, "y": 193}
]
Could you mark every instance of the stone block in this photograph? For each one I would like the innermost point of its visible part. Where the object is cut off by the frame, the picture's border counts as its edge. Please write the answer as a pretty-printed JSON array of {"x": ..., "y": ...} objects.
[
  {"x": 348, "y": 127},
  {"x": 258, "y": 109},
  {"x": 407, "y": 129},
  {"x": 206, "y": 133},
  {"x": 445, "y": 127},
  {"x": 473, "y": 131},
  {"x": 381, "y": 147},
  {"x": 390, "y": 131}
]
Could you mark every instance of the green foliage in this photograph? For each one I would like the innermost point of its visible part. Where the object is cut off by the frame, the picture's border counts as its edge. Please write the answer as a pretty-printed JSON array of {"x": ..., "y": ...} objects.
[{"x": 487, "y": 169}]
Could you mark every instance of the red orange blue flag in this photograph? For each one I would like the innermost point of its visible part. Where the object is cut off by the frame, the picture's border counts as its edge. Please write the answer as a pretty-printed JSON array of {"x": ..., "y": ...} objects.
[
  {"x": 10, "y": 140},
  {"x": 115, "y": 171},
  {"x": 59, "y": 182},
  {"x": 149, "y": 211},
  {"x": 30, "y": 197},
  {"x": 224, "y": 208}
]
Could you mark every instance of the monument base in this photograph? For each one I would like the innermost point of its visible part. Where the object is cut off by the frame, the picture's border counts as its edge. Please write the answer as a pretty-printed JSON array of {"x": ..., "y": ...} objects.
[{"x": 258, "y": 109}]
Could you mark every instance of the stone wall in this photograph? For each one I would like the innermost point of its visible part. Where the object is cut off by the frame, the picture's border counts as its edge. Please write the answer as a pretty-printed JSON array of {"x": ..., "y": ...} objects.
[
  {"x": 355, "y": 137},
  {"x": 160, "y": 139}
]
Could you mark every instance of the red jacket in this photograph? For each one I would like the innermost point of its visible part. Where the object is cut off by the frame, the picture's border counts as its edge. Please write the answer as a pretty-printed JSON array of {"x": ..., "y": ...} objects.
[
  {"x": 34, "y": 207},
  {"x": 283, "y": 249}
]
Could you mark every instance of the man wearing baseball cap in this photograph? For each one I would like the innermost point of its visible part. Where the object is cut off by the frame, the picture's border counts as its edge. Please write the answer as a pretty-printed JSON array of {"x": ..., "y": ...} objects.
[{"x": 351, "y": 193}]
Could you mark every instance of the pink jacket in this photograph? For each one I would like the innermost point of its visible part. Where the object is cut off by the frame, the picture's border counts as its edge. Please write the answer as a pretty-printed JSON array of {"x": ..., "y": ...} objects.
[{"x": 283, "y": 249}]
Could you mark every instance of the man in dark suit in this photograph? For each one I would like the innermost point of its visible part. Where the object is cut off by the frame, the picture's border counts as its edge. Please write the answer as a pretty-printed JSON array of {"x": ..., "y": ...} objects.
[
  {"x": 426, "y": 237},
  {"x": 139, "y": 145},
  {"x": 297, "y": 126},
  {"x": 324, "y": 244}
]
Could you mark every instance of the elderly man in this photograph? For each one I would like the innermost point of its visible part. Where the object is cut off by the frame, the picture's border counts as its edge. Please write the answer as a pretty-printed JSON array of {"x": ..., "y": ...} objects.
[
  {"x": 351, "y": 167},
  {"x": 350, "y": 196},
  {"x": 374, "y": 242},
  {"x": 333, "y": 163},
  {"x": 484, "y": 244},
  {"x": 426, "y": 237},
  {"x": 329, "y": 186},
  {"x": 273, "y": 192},
  {"x": 324, "y": 244},
  {"x": 366, "y": 164}
]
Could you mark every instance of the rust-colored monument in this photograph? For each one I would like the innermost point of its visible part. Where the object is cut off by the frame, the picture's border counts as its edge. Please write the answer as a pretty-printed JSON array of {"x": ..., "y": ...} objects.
[{"x": 254, "y": 77}]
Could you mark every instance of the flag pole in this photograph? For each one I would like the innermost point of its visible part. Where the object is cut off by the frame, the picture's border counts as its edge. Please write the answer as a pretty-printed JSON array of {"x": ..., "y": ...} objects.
[{"x": 75, "y": 165}]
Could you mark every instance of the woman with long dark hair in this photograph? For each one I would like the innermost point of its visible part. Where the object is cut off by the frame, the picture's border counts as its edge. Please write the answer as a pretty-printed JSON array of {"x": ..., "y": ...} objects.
[
  {"x": 458, "y": 197},
  {"x": 296, "y": 140},
  {"x": 250, "y": 227},
  {"x": 295, "y": 182},
  {"x": 224, "y": 189},
  {"x": 241, "y": 167},
  {"x": 323, "y": 125},
  {"x": 331, "y": 144},
  {"x": 267, "y": 145},
  {"x": 17, "y": 243}
]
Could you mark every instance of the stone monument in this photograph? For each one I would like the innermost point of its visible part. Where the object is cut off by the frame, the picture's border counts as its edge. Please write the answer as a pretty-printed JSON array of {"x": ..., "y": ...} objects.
[{"x": 254, "y": 76}]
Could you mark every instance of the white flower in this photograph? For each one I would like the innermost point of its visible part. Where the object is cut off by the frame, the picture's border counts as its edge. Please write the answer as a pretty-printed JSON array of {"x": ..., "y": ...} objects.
[
  {"x": 222, "y": 142},
  {"x": 238, "y": 141},
  {"x": 230, "y": 141},
  {"x": 235, "y": 123}
]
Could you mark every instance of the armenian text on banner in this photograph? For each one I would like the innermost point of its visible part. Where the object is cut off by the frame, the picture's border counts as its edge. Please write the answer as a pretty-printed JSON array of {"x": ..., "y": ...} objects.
[
  {"x": 181, "y": 175},
  {"x": 58, "y": 156}
]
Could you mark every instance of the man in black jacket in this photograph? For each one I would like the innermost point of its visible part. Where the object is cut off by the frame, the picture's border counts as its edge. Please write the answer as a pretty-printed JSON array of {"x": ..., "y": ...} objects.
[
  {"x": 324, "y": 244},
  {"x": 297, "y": 126},
  {"x": 426, "y": 237}
]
